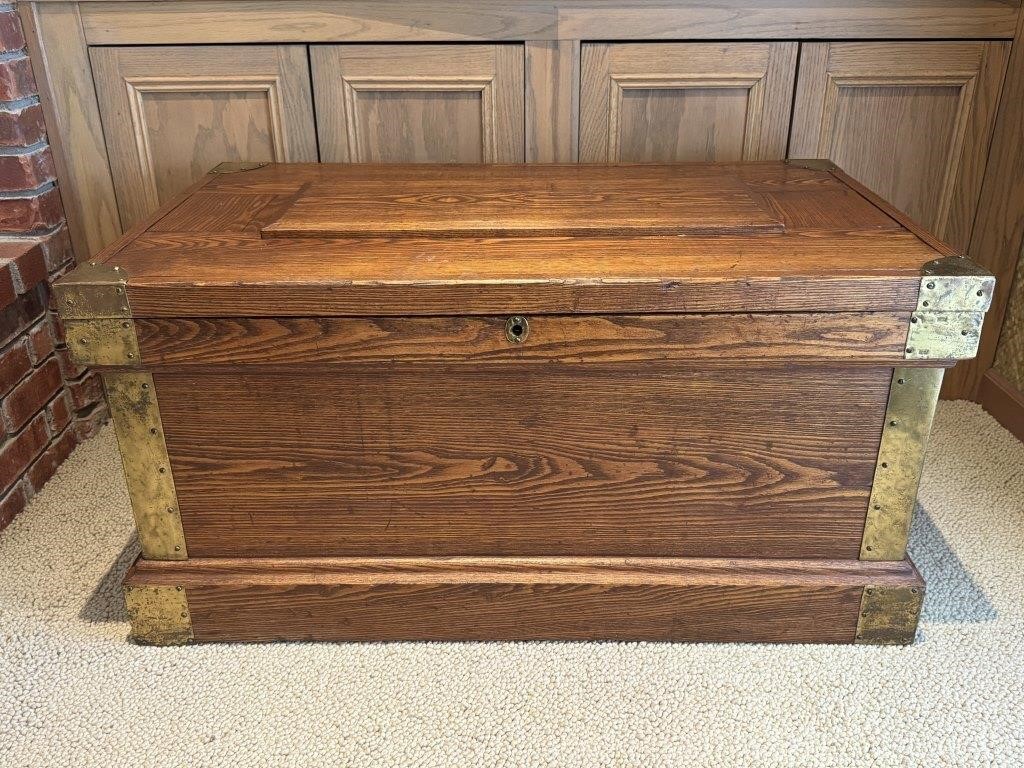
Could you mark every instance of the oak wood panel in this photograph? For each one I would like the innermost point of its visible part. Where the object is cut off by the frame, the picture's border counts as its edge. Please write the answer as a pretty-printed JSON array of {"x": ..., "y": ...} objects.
[
  {"x": 523, "y": 598},
  {"x": 224, "y": 21},
  {"x": 552, "y": 101},
  {"x": 1004, "y": 401},
  {"x": 558, "y": 201},
  {"x": 58, "y": 48},
  {"x": 481, "y": 340},
  {"x": 442, "y": 460},
  {"x": 427, "y": 103},
  {"x": 664, "y": 102},
  {"x": 172, "y": 113},
  {"x": 997, "y": 240},
  {"x": 911, "y": 121}
]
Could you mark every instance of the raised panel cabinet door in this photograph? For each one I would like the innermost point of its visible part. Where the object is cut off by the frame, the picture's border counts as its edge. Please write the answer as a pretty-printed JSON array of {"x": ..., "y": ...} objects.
[
  {"x": 911, "y": 121},
  {"x": 419, "y": 103},
  {"x": 667, "y": 102},
  {"x": 171, "y": 113}
]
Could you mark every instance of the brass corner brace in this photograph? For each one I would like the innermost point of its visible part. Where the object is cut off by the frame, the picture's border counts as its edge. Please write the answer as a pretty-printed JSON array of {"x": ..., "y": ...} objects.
[
  {"x": 889, "y": 615},
  {"x": 954, "y": 295},
  {"x": 159, "y": 615},
  {"x": 92, "y": 301}
]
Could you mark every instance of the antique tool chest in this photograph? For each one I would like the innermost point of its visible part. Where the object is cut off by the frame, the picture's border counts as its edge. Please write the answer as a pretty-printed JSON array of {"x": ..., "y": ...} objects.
[{"x": 664, "y": 402}]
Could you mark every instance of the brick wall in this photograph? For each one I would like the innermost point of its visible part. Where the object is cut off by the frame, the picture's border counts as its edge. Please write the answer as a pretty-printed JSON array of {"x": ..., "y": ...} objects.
[{"x": 47, "y": 403}]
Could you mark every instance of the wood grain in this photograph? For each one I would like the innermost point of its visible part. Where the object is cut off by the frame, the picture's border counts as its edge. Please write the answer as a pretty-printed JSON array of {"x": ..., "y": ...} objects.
[
  {"x": 171, "y": 114},
  {"x": 524, "y": 599},
  {"x": 557, "y": 200},
  {"x": 528, "y": 458},
  {"x": 60, "y": 54},
  {"x": 552, "y": 101},
  {"x": 419, "y": 104},
  {"x": 1004, "y": 401},
  {"x": 226, "y": 21},
  {"x": 476, "y": 341},
  {"x": 911, "y": 121},
  {"x": 671, "y": 102},
  {"x": 997, "y": 241}
]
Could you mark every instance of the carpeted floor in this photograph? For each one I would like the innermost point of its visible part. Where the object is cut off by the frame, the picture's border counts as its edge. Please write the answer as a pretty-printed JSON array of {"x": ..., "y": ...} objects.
[{"x": 74, "y": 692}]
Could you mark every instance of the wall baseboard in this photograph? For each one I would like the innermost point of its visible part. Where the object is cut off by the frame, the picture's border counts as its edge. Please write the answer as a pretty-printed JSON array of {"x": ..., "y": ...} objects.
[{"x": 1004, "y": 401}]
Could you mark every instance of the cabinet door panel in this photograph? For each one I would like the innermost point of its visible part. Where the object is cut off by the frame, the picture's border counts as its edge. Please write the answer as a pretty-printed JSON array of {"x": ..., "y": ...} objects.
[
  {"x": 172, "y": 113},
  {"x": 647, "y": 102},
  {"x": 419, "y": 103},
  {"x": 911, "y": 121}
]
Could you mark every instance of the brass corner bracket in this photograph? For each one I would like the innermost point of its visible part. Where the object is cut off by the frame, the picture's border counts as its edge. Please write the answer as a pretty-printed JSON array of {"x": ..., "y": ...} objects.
[
  {"x": 159, "y": 615},
  {"x": 147, "y": 467},
  {"x": 913, "y": 395},
  {"x": 236, "y": 167},
  {"x": 103, "y": 342},
  {"x": 954, "y": 295},
  {"x": 92, "y": 290},
  {"x": 889, "y": 615}
]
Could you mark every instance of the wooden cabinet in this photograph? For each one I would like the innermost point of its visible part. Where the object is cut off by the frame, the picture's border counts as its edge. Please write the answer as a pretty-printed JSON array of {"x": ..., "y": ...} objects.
[
  {"x": 644, "y": 102},
  {"x": 912, "y": 121},
  {"x": 170, "y": 113},
  {"x": 419, "y": 103}
]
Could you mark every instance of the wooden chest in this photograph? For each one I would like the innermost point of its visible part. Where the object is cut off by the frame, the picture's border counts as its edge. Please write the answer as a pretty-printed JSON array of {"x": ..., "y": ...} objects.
[{"x": 681, "y": 402}]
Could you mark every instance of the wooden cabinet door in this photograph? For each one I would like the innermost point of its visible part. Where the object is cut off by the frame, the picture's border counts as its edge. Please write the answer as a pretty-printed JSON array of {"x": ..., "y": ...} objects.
[
  {"x": 911, "y": 121},
  {"x": 647, "y": 102},
  {"x": 419, "y": 103},
  {"x": 171, "y": 113}
]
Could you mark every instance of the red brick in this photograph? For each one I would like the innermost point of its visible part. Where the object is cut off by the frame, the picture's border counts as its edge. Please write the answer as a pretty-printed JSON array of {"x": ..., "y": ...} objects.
[
  {"x": 31, "y": 212},
  {"x": 68, "y": 368},
  {"x": 30, "y": 396},
  {"x": 14, "y": 366},
  {"x": 85, "y": 391},
  {"x": 11, "y": 36},
  {"x": 89, "y": 425},
  {"x": 21, "y": 313},
  {"x": 25, "y": 261},
  {"x": 44, "y": 467},
  {"x": 21, "y": 126},
  {"x": 26, "y": 171},
  {"x": 18, "y": 453},
  {"x": 58, "y": 413},
  {"x": 8, "y": 293},
  {"x": 12, "y": 503},
  {"x": 16, "y": 81},
  {"x": 57, "y": 253},
  {"x": 40, "y": 342}
]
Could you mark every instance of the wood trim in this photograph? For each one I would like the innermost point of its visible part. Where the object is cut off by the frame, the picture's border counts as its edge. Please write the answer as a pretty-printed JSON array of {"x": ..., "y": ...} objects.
[
  {"x": 1004, "y": 401},
  {"x": 552, "y": 101},
  {"x": 998, "y": 235},
  {"x": 234, "y": 21},
  {"x": 56, "y": 42},
  {"x": 567, "y": 598}
]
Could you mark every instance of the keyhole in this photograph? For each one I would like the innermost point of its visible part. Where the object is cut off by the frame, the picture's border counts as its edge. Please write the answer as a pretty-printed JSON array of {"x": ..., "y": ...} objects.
[{"x": 516, "y": 329}]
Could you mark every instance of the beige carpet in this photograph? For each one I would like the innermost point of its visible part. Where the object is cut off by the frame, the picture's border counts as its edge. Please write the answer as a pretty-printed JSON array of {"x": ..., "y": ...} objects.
[{"x": 74, "y": 692}]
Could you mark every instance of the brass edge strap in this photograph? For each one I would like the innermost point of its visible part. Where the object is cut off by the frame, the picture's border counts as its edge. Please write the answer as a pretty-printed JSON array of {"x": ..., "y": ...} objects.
[
  {"x": 103, "y": 342},
  {"x": 954, "y": 295},
  {"x": 147, "y": 468},
  {"x": 159, "y": 615},
  {"x": 889, "y": 615},
  {"x": 236, "y": 167},
  {"x": 913, "y": 395}
]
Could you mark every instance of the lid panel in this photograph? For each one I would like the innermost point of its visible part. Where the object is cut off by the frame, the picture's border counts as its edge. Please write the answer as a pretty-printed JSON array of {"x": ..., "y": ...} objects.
[{"x": 555, "y": 201}]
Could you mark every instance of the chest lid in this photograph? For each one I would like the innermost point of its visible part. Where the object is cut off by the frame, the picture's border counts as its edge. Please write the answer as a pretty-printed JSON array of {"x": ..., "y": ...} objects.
[{"x": 279, "y": 240}]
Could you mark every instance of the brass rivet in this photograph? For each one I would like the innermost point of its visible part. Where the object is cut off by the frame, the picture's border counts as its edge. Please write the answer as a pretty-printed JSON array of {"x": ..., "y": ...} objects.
[
  {"x": 117, "y": 269},
  {"x": 152, "y": 430},
  {"x": 860, "y": 637},
  {"x": 910, "y": 350},
  {"x": 981, "y": 293},
  {"x": 913, "y": 319},
  {"x": 170, "y": 510},
  {"x": 965, "y": 333},
  {"x": 924, "y": 303},
  {"x": 863, "y": 613},
  {"x": 124, "y": 309},
  {"x": 130, "y": 355},
  {"x": 878, "y": 506},
  {"x": 145, "y": 386},
  {"x": 177, "y": 548},
  {"x": 69, "y": 302},
  {"x": 178, "y": 588},
  {"x": 869, "y": 549},
  {"x": 163, "y": 470},
  {"x": 931, "y": 286},
  {"x": 901, "y": 381},
  {"x": 83, "y": 341},
  {"x": 119, "y": 291},
  {"x": 92, "y": 263},
  {"x": 184, "y": 615},
  {"x": 892, "y": 423},
  {"x": 913, "y": 590},
  {"x": 125, "y": 325},
  {"x": 885, "y": 465},
  {"x": 870, "y": 591}
]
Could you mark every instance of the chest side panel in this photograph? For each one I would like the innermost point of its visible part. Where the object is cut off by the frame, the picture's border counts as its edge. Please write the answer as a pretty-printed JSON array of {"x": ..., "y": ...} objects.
[{"x": 540, "y": 459}]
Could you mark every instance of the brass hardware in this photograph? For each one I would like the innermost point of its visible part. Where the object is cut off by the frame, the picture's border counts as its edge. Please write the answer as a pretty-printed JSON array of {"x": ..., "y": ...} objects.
[
  {"x": 103, "y": 341},
  {"x": 147, "y": 468},
  {"x": 235, "y": 167},
  {"x": 517, "y": 328},
  {"x": 159, "y": 615},
  {"x": 908, "y": 421},
  {"x": 889, "y": 615},
  {"x": 92, "y": 290},
  {"x": 955, "y": 293}
]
